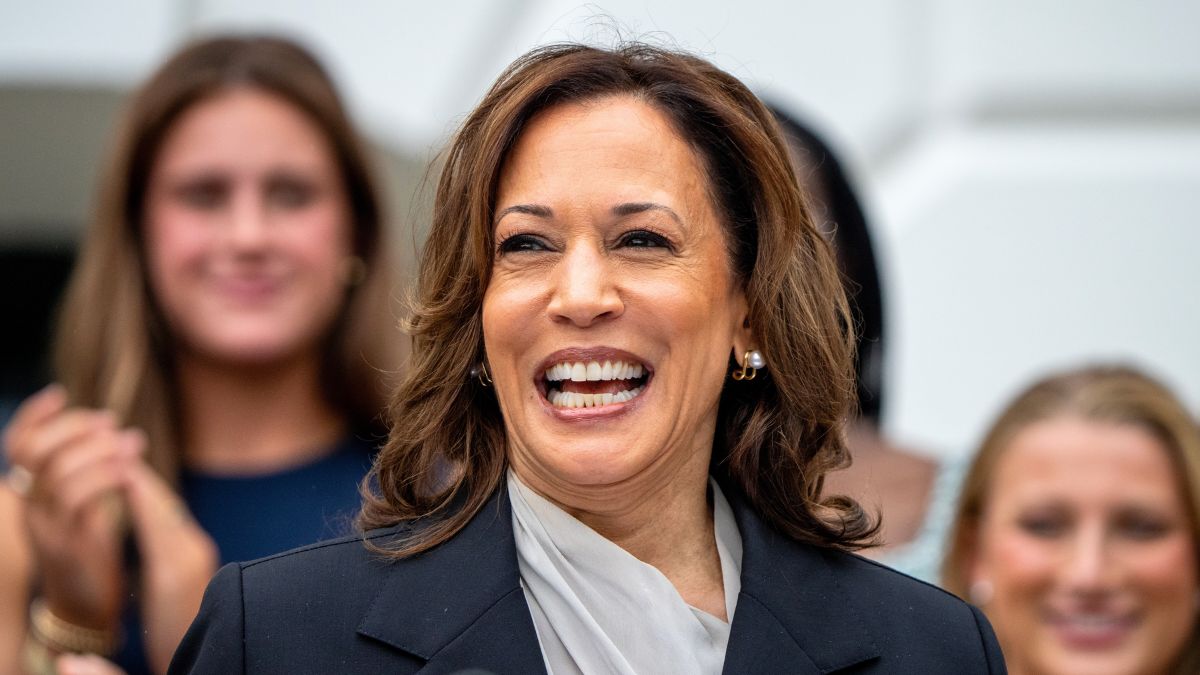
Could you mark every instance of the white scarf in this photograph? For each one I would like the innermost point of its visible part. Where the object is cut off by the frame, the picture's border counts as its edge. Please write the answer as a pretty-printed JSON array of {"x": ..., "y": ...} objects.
[{"x": 598, "y": 609}]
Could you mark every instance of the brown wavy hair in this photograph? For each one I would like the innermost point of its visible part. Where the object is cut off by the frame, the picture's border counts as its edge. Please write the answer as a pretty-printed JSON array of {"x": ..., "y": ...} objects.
[
  {"x": 1116, "y": 394},
  {"x": 113, "y": 349},
  {"x": 776, "y": 435}
]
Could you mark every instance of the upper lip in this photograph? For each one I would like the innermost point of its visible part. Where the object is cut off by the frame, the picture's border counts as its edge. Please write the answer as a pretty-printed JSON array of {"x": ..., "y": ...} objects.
[
  {"x": 238, "y": 281},
  {"x": 1093, "y": 613},
  {"x": 586, "y": 354}
]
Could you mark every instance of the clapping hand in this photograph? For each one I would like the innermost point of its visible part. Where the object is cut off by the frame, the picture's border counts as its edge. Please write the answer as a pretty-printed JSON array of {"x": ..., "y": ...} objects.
[{"x": 87, "y": 482}]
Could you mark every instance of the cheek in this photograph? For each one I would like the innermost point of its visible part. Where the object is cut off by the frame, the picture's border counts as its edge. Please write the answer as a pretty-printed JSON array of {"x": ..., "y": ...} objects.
[
  {"x": 697, "y": 302},
  {"x": 317, "y": 245},
  {"x": 1019, "y": 567},
  {"x": 175, "y": 241},
  {"x": 324, "y": 232},
  {"x": 509, "y": 314},
  {"x": 1166, "y": 573}
]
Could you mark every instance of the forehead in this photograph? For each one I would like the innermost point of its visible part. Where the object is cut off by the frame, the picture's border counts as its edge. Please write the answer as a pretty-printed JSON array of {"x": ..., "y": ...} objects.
[
  {"x": 1086, "y": 461},
  {"x": 615, "y": 144},
  {"x": 243, "y": 124}
]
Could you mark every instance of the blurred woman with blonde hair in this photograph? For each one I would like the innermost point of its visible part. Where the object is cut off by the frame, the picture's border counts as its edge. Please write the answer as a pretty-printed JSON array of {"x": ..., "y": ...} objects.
[{"x": 1077, "y": 529}]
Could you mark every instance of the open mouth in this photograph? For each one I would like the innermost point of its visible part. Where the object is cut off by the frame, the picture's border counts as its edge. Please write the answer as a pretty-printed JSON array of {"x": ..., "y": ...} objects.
[
  {"x": 594, "y": 383},
  {"x": 1095, "y": 630}
]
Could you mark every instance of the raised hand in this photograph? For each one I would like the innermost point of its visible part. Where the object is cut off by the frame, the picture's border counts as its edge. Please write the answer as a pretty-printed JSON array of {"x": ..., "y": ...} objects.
[
  {"x": 178, "y": 559},
  {"x": 77, "y": 462}
]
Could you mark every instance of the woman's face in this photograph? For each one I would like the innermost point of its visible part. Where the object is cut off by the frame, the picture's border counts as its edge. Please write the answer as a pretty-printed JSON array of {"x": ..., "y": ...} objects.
[
  {"x": 612, "y": 308},
  {"x": 247, "y": 230},
  {"x": 1088, "y": 544}
]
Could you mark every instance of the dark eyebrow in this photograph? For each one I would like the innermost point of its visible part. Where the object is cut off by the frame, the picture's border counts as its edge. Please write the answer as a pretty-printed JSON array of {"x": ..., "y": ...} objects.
[
  {"x": 632, "y": 208},
  {"x": 536, "y": 210}
]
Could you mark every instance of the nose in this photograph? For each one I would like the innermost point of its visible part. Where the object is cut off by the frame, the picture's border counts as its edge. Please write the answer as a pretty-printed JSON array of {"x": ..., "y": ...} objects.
[
  {"x": 1088, "y": 568},
  {"x": 585, "y": 288},
  {"x": 248, "y": 224}
]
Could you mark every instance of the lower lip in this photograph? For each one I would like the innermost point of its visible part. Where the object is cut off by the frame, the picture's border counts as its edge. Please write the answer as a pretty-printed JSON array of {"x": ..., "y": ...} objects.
[
  {"x": 248, "y": 291},
  {"x": 601, "y": 413},
  {"x": 1109, "y": 636}
]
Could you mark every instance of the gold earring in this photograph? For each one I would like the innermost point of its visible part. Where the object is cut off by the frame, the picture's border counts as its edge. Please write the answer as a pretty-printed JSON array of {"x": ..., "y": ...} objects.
[
  {"x": 479, "y": 371},
  {"x": 354, "y": 270},
  {"x": 751, "y": 362}
]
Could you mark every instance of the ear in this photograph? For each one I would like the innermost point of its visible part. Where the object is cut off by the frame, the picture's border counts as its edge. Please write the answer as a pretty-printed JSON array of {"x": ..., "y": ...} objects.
[{"x": 977, "y": 571}]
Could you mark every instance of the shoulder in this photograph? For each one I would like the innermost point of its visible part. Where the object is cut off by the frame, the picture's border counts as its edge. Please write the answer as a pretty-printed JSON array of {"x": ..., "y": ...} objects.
[
  {"x": 872, "y": 578},
  {"x": 842, "y": 609},
  {"x": 342, "y": 606},
  {"x": 914, "y": 621},
  {"x": 296, "y": 611},
  {"x": 332, "y": 568}
]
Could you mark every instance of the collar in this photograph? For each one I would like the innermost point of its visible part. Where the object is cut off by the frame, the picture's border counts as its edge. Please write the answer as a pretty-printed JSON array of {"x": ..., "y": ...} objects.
[{"x": 460, "y": 605}]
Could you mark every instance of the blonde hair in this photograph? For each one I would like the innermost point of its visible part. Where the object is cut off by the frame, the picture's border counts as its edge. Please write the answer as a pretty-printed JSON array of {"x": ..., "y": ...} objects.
[
  {"x": 113, "y": 349},
  {"x": 776, "y": 435},
  {"x": 1114, "y": 394}
]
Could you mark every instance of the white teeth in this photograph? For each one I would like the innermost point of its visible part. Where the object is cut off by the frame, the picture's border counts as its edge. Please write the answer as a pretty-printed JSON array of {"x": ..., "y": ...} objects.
[
  {"x": 571, "y": 399},
  {"x": 579, "y": 371}
]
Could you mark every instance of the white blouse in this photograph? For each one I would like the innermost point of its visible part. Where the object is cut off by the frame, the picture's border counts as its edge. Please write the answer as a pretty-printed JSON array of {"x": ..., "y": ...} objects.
[{"x": 598, "y": 609}]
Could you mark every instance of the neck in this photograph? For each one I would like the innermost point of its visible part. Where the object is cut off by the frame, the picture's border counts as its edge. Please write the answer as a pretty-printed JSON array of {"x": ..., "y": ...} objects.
[
  {"x": 253, "y": 419},
  {"x": 661, "y": 517}
]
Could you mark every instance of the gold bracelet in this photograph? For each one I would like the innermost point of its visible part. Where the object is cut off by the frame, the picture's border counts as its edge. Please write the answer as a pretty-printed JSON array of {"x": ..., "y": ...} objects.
[
  {"x": 64, "y": 637},
  {"x": 36, "y": 658}
]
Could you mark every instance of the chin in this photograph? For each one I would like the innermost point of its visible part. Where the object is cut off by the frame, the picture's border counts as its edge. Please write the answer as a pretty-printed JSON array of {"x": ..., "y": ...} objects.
[
  {"x": 251, "y": 352},
  {"x": 584, "y": 462},
  {"x": 1094, "y": 663}
]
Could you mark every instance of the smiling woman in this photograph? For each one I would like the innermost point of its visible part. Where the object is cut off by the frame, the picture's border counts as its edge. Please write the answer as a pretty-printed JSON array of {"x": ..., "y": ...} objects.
[
  {"x": 632, "y": 366},
  {"x": 219, "y": 352},
  {"x": 1077, "y": 527},
  {"x": 246, "y": 229},
  {"x": 588, "y": 270}
]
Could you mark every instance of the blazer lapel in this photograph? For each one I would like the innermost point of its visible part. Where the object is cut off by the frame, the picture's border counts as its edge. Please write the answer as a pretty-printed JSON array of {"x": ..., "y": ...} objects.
[
  {"x": 460, "y": 605},
  {"x": 792, "y": 615}
]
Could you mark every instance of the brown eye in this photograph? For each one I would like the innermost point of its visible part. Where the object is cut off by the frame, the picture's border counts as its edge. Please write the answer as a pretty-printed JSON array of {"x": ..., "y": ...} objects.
[
  {"x": 291, "y": 195},
  {"x": 1044, "y": 526},
  {"x": 1141, "y": 526},
  {"x": 202, "y": 194},
  {"x": 289, "y": 191},
  {"x": 643, "y": 239},
  {"x": 522, "y": 243}
]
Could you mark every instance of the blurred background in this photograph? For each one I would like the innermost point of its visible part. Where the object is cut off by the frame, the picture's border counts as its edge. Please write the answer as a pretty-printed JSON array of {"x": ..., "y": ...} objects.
[{"x": 1031, "y": 168}]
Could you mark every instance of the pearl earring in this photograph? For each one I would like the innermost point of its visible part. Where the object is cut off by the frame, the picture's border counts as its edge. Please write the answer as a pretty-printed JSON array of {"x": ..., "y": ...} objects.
[
  {"x": 981, "y": 592},
  {"x": 751, "y": 363}
]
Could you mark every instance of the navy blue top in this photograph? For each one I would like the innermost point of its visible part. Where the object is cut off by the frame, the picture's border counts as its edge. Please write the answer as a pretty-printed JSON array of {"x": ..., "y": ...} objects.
[{"x": 251, "y": 517}]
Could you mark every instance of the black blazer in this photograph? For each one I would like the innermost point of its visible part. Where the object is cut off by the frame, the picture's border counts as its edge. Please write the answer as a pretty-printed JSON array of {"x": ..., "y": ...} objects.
[{"x": 334, "y": 607}]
